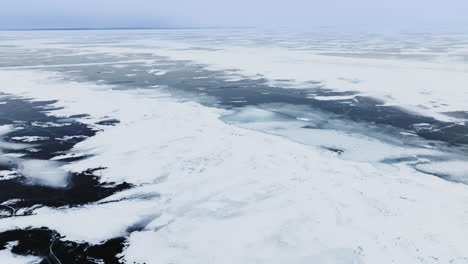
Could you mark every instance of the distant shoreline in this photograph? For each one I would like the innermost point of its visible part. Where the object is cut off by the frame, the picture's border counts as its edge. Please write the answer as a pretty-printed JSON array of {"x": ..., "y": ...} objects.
[{"x": 115, "y": 28}]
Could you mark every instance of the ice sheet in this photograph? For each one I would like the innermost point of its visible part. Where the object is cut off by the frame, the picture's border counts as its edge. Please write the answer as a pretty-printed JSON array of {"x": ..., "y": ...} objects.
[{"x": 207, "y": 191}]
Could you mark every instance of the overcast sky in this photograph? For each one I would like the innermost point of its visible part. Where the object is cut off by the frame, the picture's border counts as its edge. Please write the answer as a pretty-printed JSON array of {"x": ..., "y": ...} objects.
[{"x": 365, "y": 14}]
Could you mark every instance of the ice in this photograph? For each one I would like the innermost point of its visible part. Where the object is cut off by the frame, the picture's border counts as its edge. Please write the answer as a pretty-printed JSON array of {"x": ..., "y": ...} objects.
[
  {"x": 319, "y": 130},
  {"x": 66, "y": 138},
  {"x": 14, "y": 146},
  {"x": 67, "y": 156},
  {"x": 295, "y": 218},
  {"x": 36, "y": 172},
  {"x": 157, "y": 72},
  {"x": 45, "y": 66},
  {"x": 7, "y": 145},
  {"x": 454, "y": 170},
  {"x": 429, "y": 87},
  {"x": 92, "y": 223},
  {"x": 329, "y": 98},
  {"x": 7, "y": 174},
  {"x": 4, "y": 129},
  {"x": 410, "y": 71},
  {"x": 9, "y": 258},
  {"x": 208, "y": 191},
  {"x": 30, "y": 138},
  {"x": 253, "y": 114}
]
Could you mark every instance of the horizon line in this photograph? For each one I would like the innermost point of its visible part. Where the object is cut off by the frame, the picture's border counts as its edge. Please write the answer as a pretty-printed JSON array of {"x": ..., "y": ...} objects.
[{"x": 111, "y": 28}]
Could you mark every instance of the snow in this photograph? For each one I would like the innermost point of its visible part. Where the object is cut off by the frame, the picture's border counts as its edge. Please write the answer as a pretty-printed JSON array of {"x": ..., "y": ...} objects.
[
  {"x": 259, "y": 189},
  {"x": 67, "y": 156},
  {"x": 412, "y": 72},
  {"x": 355, "y": 214},
  {"x": 456, "y": 170},
  {"x": 422, "y": 73},
  {"x": 336, "y": 135},
  {"x": 7, "y": 174},
  {"x": 206, "y": 191},
  {"x": 66, "y": 138},
  {"x": 36, "y": 172},
  {"x": 118, "y": 64},
  {"x": 9, "y": 258},
  {"x": 30, "y": 138},
  {"x": 329, "y": 98},
  {"x": 5, "y": 129},
  {"x": 157, "y": 72},
  {"x": 92, "y": 223},
  {"x": 429, "y": 87}
]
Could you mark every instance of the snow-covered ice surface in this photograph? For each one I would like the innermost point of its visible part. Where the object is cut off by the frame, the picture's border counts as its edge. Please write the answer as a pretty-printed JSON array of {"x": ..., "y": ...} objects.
[
  {"x": 430, "y": 87},
  {"x": 7, "y": 257},
  {"x": 421, "y": 72},
  {"x": 224, "y": 177}
]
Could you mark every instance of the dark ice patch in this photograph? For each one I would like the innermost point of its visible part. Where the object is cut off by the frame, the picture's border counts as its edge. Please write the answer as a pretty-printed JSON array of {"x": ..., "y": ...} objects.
[
  {"x": 84, "y": 188},
  {"x": 458, "y": 114},
  {"x": 108, "y": 122},
  {"x": 54, "y": 249},
  {"x": 31, "y": 119}
]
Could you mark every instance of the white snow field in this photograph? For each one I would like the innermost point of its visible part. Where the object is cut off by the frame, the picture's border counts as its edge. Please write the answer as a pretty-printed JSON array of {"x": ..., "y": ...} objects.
[
  {"x": 210, "y": 192},
  {"x": 426, "y": 87}
]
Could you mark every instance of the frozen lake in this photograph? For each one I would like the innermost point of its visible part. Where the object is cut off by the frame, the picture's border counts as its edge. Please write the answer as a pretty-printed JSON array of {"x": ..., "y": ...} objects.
[{"x": 233, "y": 146}]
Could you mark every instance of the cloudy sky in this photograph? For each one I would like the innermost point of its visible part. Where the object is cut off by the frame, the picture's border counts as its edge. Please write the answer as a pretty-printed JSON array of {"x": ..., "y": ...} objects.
[{"x": 365, "y": 14}]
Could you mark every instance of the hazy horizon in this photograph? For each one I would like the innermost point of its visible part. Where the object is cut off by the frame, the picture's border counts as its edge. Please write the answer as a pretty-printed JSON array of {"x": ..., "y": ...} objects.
[{"x": 417, "y": 15}]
